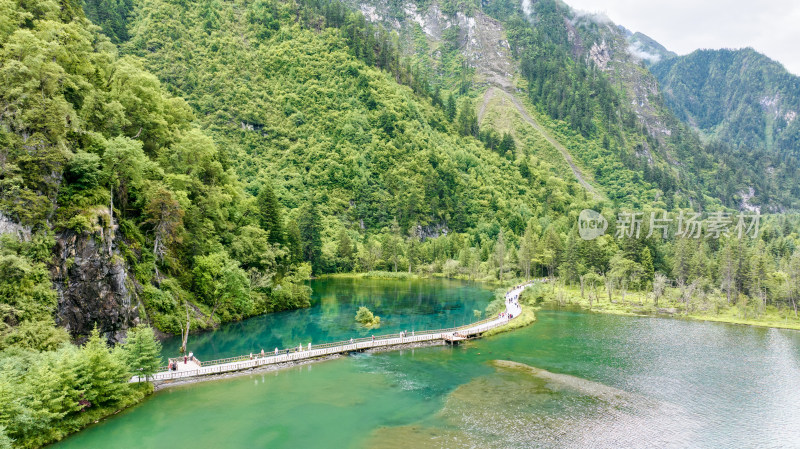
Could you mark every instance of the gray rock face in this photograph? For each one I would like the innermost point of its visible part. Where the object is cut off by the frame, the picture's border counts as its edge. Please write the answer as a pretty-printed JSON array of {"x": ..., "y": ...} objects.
[
  {"x": 93, "y": 286},
  {"x": 8, "y": 226}
]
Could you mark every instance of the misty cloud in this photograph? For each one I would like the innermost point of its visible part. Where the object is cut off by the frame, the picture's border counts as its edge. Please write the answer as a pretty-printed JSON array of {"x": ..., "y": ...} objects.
[
  {"x": 527, "y": 7},
  {"x": 686, "y": 25},
  {"x": 596, "y": 17},
  {"x": 636, "y": 50}
]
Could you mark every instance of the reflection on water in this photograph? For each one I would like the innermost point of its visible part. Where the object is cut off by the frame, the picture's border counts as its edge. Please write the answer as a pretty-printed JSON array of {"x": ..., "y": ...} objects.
[
  {"x": 402, "y": 305},
  {"x": 609, "y": 381}
]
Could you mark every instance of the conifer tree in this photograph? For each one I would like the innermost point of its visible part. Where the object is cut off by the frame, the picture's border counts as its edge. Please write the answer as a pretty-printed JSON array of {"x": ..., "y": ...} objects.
[
  {"x": 269, "y": 210},
  {"x": 450, "y": 108},
  {"x": 646, "y": 260},
  {"x": 294, "y": 241},
  {"x": 101, "y": 375},
  {"x": 500, "y": 254},
  {"x": 344, "y": 251},
  {"x": 311, "y": 235},
  {"x": 142, "y": 352}
]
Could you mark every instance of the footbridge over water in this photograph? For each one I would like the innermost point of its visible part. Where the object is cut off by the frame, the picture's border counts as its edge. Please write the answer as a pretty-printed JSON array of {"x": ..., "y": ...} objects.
[{"x": 191, "y": 367}]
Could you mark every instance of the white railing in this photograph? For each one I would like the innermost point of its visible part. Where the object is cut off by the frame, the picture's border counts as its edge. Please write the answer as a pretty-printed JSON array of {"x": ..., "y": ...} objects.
[{"x": 252, "y": 361}]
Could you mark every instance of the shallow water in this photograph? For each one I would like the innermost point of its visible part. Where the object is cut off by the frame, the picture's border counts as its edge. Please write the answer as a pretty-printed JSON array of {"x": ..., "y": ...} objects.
[{"x": 673, "y": 384}]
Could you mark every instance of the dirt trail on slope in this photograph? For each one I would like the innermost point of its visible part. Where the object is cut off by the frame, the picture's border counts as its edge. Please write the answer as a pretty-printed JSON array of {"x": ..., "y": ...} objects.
[{"x": 489, "y": 95}]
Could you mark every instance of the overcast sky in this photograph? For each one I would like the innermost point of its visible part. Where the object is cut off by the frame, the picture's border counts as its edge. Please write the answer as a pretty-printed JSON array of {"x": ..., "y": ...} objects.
[{"x": 771, "y": 27}]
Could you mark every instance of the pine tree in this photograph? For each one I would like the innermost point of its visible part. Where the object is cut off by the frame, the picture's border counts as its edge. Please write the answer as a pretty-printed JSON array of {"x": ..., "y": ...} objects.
[
  {"x": 646, "y": 260},
  {"x": 467, "y": 122},
  {"x": 450, "y": 108},
  {"x": 681, "y": 260},
  {"x": 551, "y": 250},
  {"x": 294, "y": 241},
  {"x": 269, "y": 213},
  {"x": 101, "y": 375},
  {"x": 344, "y": 251},
  {"x": 727, "y": 269},
  {"x": 311, "y": 235},
  {"x": 507, "y": 145},
  {"x": 500, "y": 254},
  {"x": 142, "y": 352},
  {"x": 527, "y": 249},
  {"x": 759, "y": 271}
]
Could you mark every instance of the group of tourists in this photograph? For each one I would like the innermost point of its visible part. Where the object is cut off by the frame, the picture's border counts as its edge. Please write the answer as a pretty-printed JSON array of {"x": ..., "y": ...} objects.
[
  {"x": 278, "y": 352},
  {"x": 262, "y": 355},
  {"x": 512, "y": 299},
  {"x": 173, "y": 364}
]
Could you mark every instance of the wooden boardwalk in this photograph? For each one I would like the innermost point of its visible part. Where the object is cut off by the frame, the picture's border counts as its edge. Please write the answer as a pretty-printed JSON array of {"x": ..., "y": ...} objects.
[{"x": 196, "y": 368}]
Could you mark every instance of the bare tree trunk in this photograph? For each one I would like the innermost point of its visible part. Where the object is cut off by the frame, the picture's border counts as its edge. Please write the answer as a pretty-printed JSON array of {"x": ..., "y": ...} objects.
[
  {"x": 156, "y": 244},
  {"x": 582, "y": 284},
  {"x": 186, "y": 330},
  {"x": 214, "y": 310}
]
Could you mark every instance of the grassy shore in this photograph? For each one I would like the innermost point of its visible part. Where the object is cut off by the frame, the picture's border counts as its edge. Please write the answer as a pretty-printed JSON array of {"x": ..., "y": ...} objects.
[
  {"x": 373, "y": 275},
  {"x": 711, "y": 307},
  {"x": 526, "y": 318},
  {"x": 377, "y": 274}
]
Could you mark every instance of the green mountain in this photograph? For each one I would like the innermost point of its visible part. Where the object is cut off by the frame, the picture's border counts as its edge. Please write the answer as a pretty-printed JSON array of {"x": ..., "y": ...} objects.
[
  {"x": 749, "y": 103},
  {"x": 313, "y": 112},
  {"x": 568, "y": 85}
]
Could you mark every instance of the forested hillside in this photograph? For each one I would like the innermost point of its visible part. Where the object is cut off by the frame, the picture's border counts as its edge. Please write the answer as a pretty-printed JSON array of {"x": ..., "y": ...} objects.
[
  {"x": 115, "y": 211},
  {"x": 750, "y": 105},
  {"x": 371, "y": 171},
  {"x": 104, "y": 175},
  {"x": 337, "y": 136},
  {"x": 655, "y": 135}
]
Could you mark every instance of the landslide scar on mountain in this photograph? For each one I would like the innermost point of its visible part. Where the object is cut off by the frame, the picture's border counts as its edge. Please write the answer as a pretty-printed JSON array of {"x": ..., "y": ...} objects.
[{"x": 492, "y": 91}]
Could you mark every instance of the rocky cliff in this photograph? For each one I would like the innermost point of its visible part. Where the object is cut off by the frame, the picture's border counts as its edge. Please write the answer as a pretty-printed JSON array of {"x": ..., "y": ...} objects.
[{"x": 93, "y": 284}]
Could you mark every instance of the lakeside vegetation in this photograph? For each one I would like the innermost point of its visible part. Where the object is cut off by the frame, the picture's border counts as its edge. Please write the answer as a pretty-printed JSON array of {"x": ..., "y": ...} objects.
[
  {"x": 672, "y": 304},
  {"x": 45, "y": 396},
  {"x": 526, "y": 318}
]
